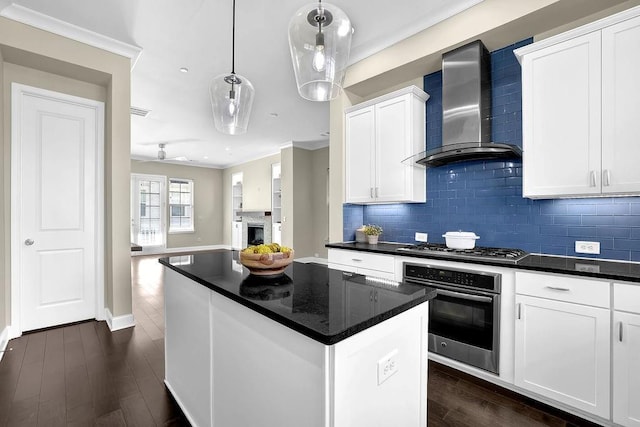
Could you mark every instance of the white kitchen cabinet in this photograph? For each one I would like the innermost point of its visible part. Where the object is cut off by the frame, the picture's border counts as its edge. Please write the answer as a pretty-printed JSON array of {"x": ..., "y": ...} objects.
[
  {"x": 621, "y": 107},
  {"x": 366, "y": 263},
  {"x": 626, "y": 348},
  {"x": 562, "y": 348},
  {"x": 580, "y": 109},
  {"x": 380, "y": 133},
  {"x": 236, "y": 235}
]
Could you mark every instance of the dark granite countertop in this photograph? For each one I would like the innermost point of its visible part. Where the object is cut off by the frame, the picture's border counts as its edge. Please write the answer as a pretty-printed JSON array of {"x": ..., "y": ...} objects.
[
  {"x": 324, "y": 304},
  {"x": 588, "y": 267}
]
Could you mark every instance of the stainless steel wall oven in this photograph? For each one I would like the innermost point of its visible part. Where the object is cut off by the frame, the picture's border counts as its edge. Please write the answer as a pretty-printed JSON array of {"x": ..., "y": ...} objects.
[{"x": 464, "y": 318}]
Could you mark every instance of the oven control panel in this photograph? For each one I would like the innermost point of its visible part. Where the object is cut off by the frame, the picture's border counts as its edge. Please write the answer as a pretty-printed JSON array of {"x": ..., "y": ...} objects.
[{"x": 470, "y": 279}]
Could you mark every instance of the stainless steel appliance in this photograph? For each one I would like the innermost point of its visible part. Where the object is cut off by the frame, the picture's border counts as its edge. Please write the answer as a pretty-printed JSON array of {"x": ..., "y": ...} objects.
[
  {"x": 466, "y": 110},
  {"x": 464, "y": 318},
  {"x": 502, "y": 255}
]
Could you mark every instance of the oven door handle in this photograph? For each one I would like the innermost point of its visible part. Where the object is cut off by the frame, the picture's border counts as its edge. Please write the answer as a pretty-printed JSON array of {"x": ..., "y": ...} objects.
[{"x": 465, "y": 296}]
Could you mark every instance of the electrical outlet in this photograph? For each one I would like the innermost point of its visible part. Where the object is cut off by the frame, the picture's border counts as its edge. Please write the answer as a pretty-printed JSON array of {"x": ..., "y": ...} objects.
[
  {"x": 421, "y": 237},
  {"x": 387, "y": 366},
  {"x": 587, "y": 247}
]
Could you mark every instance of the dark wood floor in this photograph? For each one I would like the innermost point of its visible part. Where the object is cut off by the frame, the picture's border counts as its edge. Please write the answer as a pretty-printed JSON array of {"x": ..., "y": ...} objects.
[{"x": 83, "y": 375}]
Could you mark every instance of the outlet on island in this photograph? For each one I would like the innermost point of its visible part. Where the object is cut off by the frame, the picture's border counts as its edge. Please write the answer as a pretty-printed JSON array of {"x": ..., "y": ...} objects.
[{"x": 387, "y": 366}]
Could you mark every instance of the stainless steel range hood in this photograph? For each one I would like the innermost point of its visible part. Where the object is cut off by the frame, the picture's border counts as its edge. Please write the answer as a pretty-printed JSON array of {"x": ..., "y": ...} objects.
[{"x": 466, "y": 110}]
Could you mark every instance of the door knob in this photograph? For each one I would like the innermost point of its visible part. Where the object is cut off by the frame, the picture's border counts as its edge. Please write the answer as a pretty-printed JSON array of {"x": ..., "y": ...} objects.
[{"x": 29, "y": 242}]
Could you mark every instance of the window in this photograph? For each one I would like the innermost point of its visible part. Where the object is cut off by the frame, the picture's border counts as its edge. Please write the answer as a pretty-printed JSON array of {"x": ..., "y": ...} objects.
[{"x": 180, "y": 205}]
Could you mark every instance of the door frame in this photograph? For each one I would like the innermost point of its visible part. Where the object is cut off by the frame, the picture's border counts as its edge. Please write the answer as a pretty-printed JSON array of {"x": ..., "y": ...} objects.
[
  {"x": 163, "y": 209},
  {"x": 18, "y": 90}
]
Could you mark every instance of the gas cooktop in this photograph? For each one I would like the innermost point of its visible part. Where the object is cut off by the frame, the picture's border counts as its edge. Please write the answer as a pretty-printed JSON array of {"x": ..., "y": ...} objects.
[{"x": 505, "y": 255}]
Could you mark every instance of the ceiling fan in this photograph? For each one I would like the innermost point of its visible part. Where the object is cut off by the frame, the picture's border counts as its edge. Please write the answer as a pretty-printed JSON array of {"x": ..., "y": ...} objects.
[{"x": 162, "y": 155}]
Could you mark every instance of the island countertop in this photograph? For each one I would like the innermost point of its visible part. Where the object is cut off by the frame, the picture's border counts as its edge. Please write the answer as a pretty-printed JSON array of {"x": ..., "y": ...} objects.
[{"x": 324, "y": 304}]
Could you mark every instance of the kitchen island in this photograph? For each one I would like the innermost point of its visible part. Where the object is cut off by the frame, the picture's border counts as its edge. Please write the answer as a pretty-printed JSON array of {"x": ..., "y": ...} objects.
[{"x": 313, "y": 347}]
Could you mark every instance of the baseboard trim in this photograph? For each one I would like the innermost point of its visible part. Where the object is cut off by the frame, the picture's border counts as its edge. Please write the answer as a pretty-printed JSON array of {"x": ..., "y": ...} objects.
[
  {"x": 119, "y": 322},
  {"x": 162, "y": 251},
  {"x": 4, "y": 341}
]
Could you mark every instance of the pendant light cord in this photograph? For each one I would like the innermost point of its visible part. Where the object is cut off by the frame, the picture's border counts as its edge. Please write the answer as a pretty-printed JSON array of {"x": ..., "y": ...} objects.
[{"x": 233, "y": 40}]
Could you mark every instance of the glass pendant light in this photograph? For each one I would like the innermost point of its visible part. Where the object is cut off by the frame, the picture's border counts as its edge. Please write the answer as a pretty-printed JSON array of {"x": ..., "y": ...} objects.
[
  {"x": 319, "y": 41},
  {"x": 231, "y": 96}
]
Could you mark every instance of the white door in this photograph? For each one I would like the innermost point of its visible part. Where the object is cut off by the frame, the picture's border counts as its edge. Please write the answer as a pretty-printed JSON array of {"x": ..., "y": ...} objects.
[
  {"x": 620, "y": 107},
  {"x": 392, "y": 147},
  {"x": 562, "y": 351},
  {"x": 626, "y": 369},
  {"x": 57, "y": 143},
  {"x": 360, "y": 156},
  {"x": 148, "y": 211},
  {"x": 561, "y": 119}
]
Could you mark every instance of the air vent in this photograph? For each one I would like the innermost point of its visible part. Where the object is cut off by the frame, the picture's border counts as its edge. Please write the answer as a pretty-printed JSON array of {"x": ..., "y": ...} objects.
[{"x": 137, "y": 111}]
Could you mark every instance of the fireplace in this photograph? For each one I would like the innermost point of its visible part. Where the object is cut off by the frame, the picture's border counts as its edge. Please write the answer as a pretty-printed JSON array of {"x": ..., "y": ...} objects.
[{"x": 255, "y": 234}]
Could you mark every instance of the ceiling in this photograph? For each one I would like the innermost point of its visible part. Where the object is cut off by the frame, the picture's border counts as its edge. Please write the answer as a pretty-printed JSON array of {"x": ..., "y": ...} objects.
[{"x": 196, "y": 34}]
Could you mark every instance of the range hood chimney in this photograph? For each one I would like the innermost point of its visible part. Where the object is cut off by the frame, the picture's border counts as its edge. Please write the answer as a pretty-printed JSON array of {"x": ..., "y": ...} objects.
[{"x": 466, "y": 110}]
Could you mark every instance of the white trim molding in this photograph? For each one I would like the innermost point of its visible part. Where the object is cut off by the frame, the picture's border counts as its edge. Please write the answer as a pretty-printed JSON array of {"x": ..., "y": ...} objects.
[
  {"x": 4, "y": 341},
  {"x": 577, "y": 32},
  {"x": 119, "y": 322},
  {"x": 53, "y": 25}
]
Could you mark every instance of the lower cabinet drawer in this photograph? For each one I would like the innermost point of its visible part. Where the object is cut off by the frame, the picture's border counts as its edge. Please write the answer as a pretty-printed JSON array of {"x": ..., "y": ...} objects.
[
  {"x": 626, "y": 297},
  {"x": 363, "y": 263},
  {"x": 564, "y": 288},
  {"x": 363, "y": 259}
]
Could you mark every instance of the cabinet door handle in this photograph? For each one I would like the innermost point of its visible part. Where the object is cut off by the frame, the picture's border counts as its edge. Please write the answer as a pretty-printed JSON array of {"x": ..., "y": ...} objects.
[
  {"x": 519, "y": 311},
  {"x": 375, "y": 296},
  {"x": 606, "y": 177},
  {"x": 371, "y": 296},
  {"x": 356, "y": 260},
  {"x": 620, "y": 327},
  {"x": 376, "y": 192},
  {"x": 556, "y": 288},
  {"x": 592, "y": 179},
  {"x": 371, "y": 192}
]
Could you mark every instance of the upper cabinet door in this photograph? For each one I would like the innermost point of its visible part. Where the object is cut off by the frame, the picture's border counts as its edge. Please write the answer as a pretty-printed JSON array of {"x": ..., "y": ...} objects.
[
  {"x": 621, "y": 107},
  {"x": 360, "y": 156},
  {"x": 392, "y": 146},
  {"x": 380, "y": 134},
  {"x": 561, "y": 87}
]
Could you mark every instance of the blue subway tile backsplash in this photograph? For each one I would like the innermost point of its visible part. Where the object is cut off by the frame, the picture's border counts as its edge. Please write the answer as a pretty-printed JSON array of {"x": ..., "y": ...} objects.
[{"x": 486, "y": 196}]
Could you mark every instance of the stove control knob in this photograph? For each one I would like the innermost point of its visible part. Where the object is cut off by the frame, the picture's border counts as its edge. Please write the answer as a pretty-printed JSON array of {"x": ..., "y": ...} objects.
[{"x": 443, "y": 344}]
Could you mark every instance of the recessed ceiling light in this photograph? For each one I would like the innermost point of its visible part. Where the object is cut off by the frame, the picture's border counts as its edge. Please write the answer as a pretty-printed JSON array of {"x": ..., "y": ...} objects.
[
  {"x": 205, "y": 157},
  {"x": 184, "y": 70},
  {"x": 227, "y": 149}
]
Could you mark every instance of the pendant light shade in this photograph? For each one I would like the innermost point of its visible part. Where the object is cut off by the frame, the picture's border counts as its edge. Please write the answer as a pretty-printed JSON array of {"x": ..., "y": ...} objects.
[
  {"x": 319, "y": 41},
  {"x": 231, "y": 99},
  {"x": 231, "y": 96}
]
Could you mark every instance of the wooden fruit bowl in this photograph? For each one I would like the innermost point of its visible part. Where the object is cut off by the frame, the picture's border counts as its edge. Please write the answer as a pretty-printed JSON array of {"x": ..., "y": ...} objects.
[{"x": 266, "y": 264}]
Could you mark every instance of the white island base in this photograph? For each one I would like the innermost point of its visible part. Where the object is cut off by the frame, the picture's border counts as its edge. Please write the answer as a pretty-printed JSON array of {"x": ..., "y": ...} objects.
[{"x": 230, "y": 366}]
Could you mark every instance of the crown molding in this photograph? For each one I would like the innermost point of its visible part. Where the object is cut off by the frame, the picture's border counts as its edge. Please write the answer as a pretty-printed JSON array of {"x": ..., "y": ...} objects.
[
  {"x": 578, "y": 32},
  {"x": 44, "y": 22}
]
